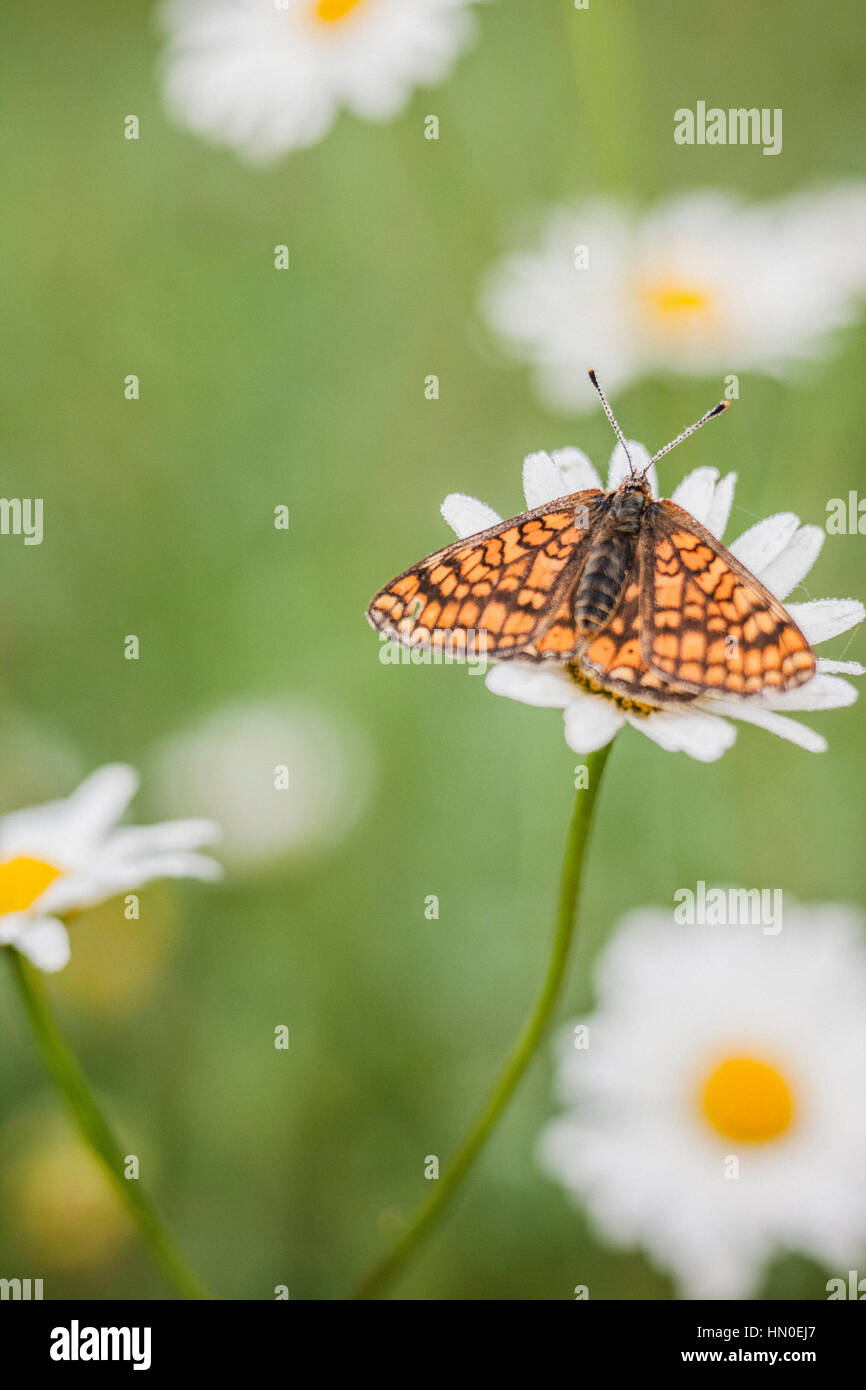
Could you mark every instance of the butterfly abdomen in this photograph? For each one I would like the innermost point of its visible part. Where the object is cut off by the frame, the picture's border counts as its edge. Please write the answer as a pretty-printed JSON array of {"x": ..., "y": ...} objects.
[{"x": 609, "y": 562}]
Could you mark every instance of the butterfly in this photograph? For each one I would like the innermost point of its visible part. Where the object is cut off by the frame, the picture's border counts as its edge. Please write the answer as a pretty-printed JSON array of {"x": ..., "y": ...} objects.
[{"x": 633, "y": 595}]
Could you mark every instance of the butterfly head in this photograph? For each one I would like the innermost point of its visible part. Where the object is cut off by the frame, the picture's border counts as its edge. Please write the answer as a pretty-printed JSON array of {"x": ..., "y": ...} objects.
[
  {"x": 635, "y": 485},
  {"x": 636, "y": 479}
]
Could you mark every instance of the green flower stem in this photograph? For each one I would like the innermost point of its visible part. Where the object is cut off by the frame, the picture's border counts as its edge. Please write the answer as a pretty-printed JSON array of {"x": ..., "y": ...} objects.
[
  {"x": 71, "y": 1083},
  {"x": 524, "y": 1049}
]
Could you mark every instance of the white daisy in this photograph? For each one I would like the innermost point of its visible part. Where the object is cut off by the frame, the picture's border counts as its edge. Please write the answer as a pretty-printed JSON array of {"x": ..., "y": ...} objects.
[
  {"x": 704, "y": 284},
  {"x": 267, "y": 76},
  {"x": 779, "y": 551},
  {"x": 283, "y": 778},
  {"x": 718, "y": 1112},
  {"x": 70, "y": 854}
]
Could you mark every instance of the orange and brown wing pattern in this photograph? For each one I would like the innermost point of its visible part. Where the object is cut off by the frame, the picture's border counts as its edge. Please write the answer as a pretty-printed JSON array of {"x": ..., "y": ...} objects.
[
  {"x": 613, "y": 658},
  {"x": 707, "y": 622},
  {"x": 560, "y": 639},
  {"x": 503, "y": 585}
]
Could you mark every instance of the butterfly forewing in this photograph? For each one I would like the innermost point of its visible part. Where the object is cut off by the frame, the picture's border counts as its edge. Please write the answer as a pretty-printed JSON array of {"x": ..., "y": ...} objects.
[
  {"x": 707, "y": 622},
  {"x": 502, "y": 587}
]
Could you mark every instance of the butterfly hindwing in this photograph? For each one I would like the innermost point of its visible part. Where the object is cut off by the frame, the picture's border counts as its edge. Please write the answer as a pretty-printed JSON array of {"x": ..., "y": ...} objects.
[
  {"x": 613, "y": 659},
  {"x": 708, "y": 623},
  {"x": 505, "y": 585}
]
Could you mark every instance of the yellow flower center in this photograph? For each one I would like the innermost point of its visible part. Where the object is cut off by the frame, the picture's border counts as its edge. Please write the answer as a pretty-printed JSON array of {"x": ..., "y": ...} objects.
[
  {"x": 676, "y": 305},
  {"x": 332, "y": 11},
  {"x": 748, "y": 1100},
  {"x": 624, "y": 702},
  {"x": 22, "y": 881}
]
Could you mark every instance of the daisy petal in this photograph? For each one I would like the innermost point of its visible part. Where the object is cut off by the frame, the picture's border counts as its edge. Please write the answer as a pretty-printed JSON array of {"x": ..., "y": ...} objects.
[
  {"x": 466, "y": 515},
  {"x": 842, "y": 668},
  {"x": 183, "y": 864},
  {"x": 823, "y": 618},
  {"x": 545, "y": 687},
  {"x": 167, "y": 835},
  {"x": 27, "y": 829},
  {"x": 619, "y": 469},
  {"x": 761, "y": 544},
  {"x": 591, "y": 722},
  {"x": 791, "y": 567},
  {"x": 703, "y": 736},
  {"x": 790, "y": 729},
  {"x": 696, "y": 492},
  {"x": 821, "y": 692},
  {"x": 104, "y": 881},
  {"x": 74, "y": 892},
  {"x": 576, "y": 471},
  {"x": 45, "y": 942},
  {"x": 542, "y": 481},
  {"x": 11, "y": 926},
  {"x": 100, "y": 801},
  {"x": 720, "y": 508}
]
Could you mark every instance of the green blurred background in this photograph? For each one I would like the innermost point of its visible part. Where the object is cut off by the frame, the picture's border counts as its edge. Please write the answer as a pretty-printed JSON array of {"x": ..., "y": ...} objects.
[{"x": 305, "y": 388}]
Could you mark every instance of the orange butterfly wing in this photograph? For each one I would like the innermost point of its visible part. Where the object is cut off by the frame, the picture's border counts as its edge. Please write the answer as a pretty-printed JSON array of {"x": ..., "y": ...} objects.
[
  {"x": 706, "y": 622},
  {"x": 505, "y": 586},
  {"x": 613, "y": 658}
]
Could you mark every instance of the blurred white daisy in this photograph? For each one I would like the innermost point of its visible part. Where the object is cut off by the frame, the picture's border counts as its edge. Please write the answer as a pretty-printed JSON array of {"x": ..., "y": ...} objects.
[
  {"x": 778, "y": 551},
  {"x": 70, "y": 854},
  {"x": 703, "y": 284},
  {"x": 282, "y": 778},
  {"x": 718, "y": 1113},
  {"x": 268, "y": 76}
]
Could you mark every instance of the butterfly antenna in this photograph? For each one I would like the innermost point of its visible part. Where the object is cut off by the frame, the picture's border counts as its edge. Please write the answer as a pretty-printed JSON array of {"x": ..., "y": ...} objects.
[
  {"x": 710, "y": 415},
  {"x": 610, "y": 415}
]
